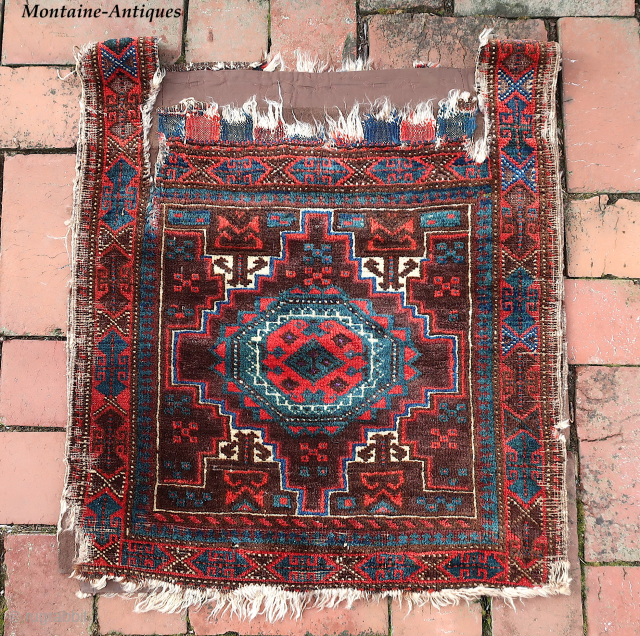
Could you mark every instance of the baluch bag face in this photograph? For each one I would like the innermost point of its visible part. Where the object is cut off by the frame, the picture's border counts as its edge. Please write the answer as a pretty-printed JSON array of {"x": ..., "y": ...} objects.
[{"x": 325, "y": 357}]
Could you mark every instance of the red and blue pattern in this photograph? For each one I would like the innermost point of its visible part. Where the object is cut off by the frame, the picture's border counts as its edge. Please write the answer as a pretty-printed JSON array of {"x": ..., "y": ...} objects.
[{"x": 312, "y": 366}]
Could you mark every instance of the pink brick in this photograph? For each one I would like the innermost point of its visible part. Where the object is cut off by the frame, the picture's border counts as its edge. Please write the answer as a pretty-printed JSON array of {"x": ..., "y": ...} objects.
[
  {"x": 555, "y": 615},
  {"x": 33, "y": 383},
  {"x": 396, "y": 41},
  {"x": 326, "y": 30},
  {"x": 212, "y": 21},
  {"x": 608, "y": 420},
  {"x": 40, "y": 600},
  {"x": 34, "y": 269},
  {"x": 603, "y": 321},
  {"x": 31, "y": 477},
  {"x": 461, "y": 620},
  {"x": 364, "y": 618},
  {"x": 603, "y": 239},
  {"x": 24, "y": 36},
  {"x": 116, "y": 614},
  {"x": 544, "y": 8},
  {"x": 601, "y": 81},
  {"x": 39, "y": 110},
  {"x": 377, "y": 5},
  {"x": 613, "y": 601}
]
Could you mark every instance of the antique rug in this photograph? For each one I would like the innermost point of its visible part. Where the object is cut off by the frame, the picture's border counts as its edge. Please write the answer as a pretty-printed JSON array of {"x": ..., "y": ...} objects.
[{"x": 317, "y": 360}]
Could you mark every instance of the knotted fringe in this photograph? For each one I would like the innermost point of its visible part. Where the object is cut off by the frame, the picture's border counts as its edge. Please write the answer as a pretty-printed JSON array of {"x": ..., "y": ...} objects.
[{"x": 277, "y": 604}]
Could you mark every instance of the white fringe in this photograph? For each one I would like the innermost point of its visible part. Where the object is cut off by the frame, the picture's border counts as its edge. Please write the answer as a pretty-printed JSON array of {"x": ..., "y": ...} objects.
[
  {"x": 383, "y": 110},
  {"x": 481, "y": 148},
  {"x": 346, "y": 129},
  {"x": 276, "y": 64},
  {"x": 277, "y": 604},
  {"x": 147, "y": 119},
  {"x": 271, "y": 119},
  {"x": 307, "y": 64},
  {"x": 237, "y": 115},
  {"x": 360, "y": 64},
  {"x": 484, "y": 37},
  {"x": 305, "y": 130},
  {"x": 421, "y": 114}
]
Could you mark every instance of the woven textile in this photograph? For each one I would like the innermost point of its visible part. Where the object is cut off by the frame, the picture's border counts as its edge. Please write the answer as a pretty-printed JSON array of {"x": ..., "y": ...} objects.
[{"x": 318, "y": 363}]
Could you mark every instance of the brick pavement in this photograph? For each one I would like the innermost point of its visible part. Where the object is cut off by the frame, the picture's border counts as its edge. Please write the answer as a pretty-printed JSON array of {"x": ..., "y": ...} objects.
[{"x": 599, "y": 118}]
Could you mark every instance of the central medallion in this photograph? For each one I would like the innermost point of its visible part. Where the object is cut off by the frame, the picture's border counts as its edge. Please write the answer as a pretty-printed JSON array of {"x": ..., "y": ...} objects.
[
  {"x": 311, "y": 360},
  {"x": 314, "y": 360}
]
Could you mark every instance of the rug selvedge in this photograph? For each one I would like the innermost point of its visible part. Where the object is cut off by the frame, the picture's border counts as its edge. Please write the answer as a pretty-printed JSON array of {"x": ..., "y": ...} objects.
[{"x": 327, "y": 370}]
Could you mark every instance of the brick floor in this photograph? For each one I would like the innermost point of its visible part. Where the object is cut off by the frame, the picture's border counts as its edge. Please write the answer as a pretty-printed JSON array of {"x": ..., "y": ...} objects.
[
  {"x": 557, "y": 615},
  {"x": 364, "y": 618},
  {"x": 211, "y": 22},
  {"x": 34, "y": 269},
  {"x": 385, "y": 5},
  {"x": 396, "y": 41},
  {"x": 39, "y": 110},
  {"x": 461, "y": 620},
  {"x": 608, "y": 420},
  {"x": 40, "y": 600},
  {"x": 613, "y": 601},
  {"x": 603, "y": 239},
  {"x": 603, "y": 321},
  {"x": 31, "y": 477},
  {"x": 325, "y": 30},
  {"x": 33, "y": 383},
  {"x": 117, "y": 615},
  {"x": 601, "y": 72},
  {"x": 544, "y": 8},
  {"x": 24, "y": 34},
  {"x": 601, "y": 78}
]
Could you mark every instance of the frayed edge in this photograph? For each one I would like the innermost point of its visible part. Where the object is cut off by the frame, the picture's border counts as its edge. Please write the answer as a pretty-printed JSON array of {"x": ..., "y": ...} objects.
[
  {"x": 484, "y": 37},
  {"x": 277, "y": 604},
  {"x": 215, "y": 66},
  {"x": 68, "y": 509},
  {"x": 482, "y": 147},
  {"x": 359, "y": 64},
  {"x": 275, "y": 64},
  {"x": 238, "y": 114},
  {"x": 307, "y": 64},
  {"x": 147, "y": 120},
  {"x": 271, "y": 119},
  {"x": 346, "y": 130},
  {"x": 420, "y": 115},
  {"x": 455, "y": 104},
  {"x": 383, "y": 110}
]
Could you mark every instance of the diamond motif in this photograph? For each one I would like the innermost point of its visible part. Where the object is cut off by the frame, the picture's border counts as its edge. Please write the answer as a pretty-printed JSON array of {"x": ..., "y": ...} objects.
[{"x": 312, "y": 361}]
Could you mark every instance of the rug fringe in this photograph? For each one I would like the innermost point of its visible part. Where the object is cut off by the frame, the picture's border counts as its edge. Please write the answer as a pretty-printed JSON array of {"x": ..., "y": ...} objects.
[{"x": 277, "y": 604}]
